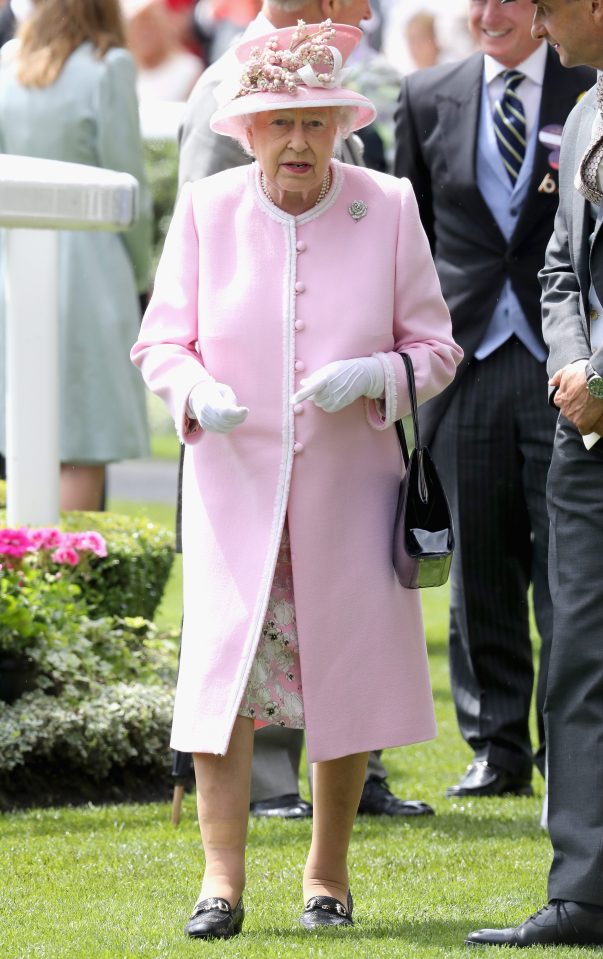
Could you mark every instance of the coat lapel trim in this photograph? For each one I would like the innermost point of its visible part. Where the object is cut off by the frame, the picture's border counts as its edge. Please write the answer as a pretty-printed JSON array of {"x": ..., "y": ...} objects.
[
  {"x": 555, "y": 105},
  {"x": 459, "y": 118},
  {"x": 458, "y": 112},
  {"x": 284, "y": 482}
]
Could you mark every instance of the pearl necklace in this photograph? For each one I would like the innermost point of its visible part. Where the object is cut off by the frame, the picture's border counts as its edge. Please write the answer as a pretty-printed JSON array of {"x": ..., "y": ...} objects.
[{"x": 326, "y": 184}]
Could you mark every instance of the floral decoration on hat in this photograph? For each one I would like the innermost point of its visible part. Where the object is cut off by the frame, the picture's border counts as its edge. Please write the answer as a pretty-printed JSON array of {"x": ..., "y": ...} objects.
[
  {"x": 290, "y": 68},
  {"x": 273, "y": 70}
]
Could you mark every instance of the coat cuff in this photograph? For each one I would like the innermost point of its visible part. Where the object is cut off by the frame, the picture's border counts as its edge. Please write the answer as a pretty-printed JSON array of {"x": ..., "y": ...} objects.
[{"x": 383, "y": 412}]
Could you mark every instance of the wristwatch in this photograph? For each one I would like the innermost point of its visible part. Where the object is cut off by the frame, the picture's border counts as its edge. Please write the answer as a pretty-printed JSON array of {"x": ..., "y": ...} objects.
[{"x": 594, "y": 382}]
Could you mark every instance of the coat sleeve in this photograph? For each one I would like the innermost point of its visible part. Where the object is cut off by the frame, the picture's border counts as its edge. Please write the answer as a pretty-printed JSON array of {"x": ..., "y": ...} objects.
[
  {"x": 120, "y": 148},
  {"x": 421, "y": 324},
  {"x": 166, "y": 351}
]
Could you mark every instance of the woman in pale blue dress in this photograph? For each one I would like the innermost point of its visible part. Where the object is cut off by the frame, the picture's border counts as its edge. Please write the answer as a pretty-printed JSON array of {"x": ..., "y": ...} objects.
[{"x": 67, "y": 92}]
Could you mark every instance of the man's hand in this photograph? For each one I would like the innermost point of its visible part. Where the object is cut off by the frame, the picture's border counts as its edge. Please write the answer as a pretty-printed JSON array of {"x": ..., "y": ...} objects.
[{"x": 573, "y": 399}]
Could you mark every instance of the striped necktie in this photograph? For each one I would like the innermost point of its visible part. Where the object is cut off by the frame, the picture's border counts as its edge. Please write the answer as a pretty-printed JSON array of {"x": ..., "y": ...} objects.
[{"x": 510, "y": 125}]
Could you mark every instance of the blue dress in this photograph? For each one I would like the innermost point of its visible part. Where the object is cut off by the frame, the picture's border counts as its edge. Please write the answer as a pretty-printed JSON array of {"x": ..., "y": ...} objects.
[{"x": 89, "y": 115}]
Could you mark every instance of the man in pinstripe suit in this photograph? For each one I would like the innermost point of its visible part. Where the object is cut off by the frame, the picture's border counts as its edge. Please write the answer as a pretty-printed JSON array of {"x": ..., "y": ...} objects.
[{"x": 474, "y": 138}]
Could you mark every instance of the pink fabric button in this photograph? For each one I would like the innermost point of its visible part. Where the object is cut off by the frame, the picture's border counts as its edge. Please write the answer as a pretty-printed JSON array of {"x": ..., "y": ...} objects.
[
  {"x": 298, "y": 408},
  {"x": 298, "y": 447},
  {"x": 300, "y": 246},
  {"x": 300, "y": 366},
  {"x": 300, "y": 325},
  {"x": 300, "y": 287}
]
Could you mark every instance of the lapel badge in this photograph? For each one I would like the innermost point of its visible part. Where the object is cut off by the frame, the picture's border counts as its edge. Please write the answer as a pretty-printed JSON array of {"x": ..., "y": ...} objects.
[
  {"x": 357, "y": 210},
  {"x": 548, "y": 185}
]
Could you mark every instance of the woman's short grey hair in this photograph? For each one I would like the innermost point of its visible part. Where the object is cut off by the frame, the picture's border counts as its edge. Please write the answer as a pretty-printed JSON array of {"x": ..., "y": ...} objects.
[{"x": 345, "y": 120}]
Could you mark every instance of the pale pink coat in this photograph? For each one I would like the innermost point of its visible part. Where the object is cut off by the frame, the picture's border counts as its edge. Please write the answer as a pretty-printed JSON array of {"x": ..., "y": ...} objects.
[{"x": 257, "y": 298}]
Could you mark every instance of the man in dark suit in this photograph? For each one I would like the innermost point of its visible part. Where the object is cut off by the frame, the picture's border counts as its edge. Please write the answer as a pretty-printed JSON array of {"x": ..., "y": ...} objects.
[
  {"x": 474, "y": 138},
  {"x": 572, "y": 283}
]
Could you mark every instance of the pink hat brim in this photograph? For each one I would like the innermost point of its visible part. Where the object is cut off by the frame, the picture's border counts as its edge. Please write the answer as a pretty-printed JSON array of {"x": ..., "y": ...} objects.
[{"x": 227, "y": 119}]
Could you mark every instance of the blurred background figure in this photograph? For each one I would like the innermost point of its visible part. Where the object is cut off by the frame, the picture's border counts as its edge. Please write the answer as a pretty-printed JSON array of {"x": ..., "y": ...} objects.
[
  {"x": 67, "y": 92},
  {"x": 421, "y": 39},
  {"x": 407, "y": 36},
  {"x": 167, "y": 70},
  {"x": 220, "y": 22}
]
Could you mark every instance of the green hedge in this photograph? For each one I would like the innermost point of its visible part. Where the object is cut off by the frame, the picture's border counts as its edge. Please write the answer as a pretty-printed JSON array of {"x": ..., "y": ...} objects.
[{"x": 111, "y": 744}]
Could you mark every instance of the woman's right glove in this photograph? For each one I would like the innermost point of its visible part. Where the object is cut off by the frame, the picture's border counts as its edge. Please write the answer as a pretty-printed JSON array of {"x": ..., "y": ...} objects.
[{"x": 214, "y": 406}]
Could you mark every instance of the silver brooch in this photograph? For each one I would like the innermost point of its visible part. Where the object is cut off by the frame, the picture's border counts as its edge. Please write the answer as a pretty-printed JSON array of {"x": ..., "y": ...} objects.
[{"x": 357, "y": 210}]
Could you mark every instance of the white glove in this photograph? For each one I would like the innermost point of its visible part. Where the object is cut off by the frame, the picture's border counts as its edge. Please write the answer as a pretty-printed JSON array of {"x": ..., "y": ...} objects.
[
  {"x": 215, "y": 407},
  {"x": 336, "y": 385}
]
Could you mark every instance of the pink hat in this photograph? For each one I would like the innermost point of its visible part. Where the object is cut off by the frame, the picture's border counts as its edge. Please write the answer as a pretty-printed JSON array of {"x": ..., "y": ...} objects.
[{"x": 292, "y": 68}]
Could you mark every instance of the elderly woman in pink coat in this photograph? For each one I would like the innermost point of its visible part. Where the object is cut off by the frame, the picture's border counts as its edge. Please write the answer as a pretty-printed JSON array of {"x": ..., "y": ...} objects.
[{"x": 284, "y": 295}]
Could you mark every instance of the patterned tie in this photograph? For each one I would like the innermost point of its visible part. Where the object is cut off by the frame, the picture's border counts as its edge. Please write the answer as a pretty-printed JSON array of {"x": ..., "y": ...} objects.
[
  {"x": 510, "y": 125},
  {"x": 587, "y": 180}
]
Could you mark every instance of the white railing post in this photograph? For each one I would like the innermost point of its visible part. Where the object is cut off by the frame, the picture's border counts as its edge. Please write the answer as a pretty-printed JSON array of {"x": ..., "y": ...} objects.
[{"x": 38, "y": 198}]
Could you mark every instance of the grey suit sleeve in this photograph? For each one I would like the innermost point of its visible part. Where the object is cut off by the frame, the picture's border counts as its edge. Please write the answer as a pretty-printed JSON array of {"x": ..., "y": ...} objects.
[
  {"x": 203, "y": 152},
  {"x": 563, "y": 326}
]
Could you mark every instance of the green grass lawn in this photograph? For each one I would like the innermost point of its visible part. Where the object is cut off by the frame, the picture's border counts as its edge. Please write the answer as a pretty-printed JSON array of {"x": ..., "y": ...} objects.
[{"x": 119, "y": 881}]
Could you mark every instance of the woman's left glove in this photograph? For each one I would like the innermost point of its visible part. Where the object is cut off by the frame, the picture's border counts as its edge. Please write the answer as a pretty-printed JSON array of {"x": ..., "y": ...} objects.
[{"x": 336, "y": 385}]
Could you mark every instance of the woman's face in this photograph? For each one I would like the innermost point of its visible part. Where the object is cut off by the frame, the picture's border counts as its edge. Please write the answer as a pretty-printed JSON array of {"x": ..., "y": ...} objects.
[{"x": 293, "y": 147}]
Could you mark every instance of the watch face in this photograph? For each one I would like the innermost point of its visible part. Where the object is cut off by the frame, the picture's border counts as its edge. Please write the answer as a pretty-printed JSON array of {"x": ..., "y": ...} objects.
[{"x": 595, "y": 387}]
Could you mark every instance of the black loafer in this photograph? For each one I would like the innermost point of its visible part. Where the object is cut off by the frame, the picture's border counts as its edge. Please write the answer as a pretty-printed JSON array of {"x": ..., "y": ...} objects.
[
  {"x": 215, "y": 919},
  {"x": 484, "y": 779},
  {"x": 560, "y": 923},
  {"x": 378, "y": 800},
  {"x": 282, "y": 807},
  {"x": 322, "y": 911}
]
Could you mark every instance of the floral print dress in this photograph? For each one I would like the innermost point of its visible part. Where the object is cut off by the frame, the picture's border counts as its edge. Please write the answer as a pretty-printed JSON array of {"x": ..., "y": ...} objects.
[{"x": 273, "y": 695}]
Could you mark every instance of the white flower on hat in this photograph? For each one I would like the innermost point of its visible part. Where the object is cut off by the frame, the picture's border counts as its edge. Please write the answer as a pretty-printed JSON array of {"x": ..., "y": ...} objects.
[{"x": 272, "y": 69}]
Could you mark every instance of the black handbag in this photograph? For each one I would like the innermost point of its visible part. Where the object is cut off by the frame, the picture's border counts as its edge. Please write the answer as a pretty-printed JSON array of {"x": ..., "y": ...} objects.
[{"x": 423, "y": 532}]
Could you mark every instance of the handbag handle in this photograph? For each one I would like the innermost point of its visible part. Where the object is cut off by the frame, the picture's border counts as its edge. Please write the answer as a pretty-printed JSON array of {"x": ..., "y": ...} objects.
[{"x": 412, "y": 393}]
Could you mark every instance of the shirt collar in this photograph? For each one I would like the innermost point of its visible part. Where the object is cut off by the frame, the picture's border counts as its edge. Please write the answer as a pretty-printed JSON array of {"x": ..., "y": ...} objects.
[{"x": 533, "y": 67}]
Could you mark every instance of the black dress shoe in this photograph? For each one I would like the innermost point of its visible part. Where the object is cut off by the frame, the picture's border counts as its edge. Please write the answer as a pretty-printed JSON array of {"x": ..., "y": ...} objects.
[
  {"x": 215, "y": 919},
  {"x": 326, "y": 911},
  {"x": 560, "y": 923},
  {"x": 484, "y": 779},
  {"x": 284, "y": 807},
  {"x": 378, "y": 800}
]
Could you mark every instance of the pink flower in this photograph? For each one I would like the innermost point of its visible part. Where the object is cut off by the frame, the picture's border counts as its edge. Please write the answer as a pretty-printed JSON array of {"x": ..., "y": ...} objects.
[
  {"x": 91, "y": 542},
  {"x": 15, "y": 542},
  {"x": 46, "y": 538},
  {"x": 65, "y": 555}
]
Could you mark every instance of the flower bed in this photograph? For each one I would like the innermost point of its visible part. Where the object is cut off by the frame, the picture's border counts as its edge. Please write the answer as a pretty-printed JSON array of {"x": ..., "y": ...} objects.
[{"x": 73, "y": 636}]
